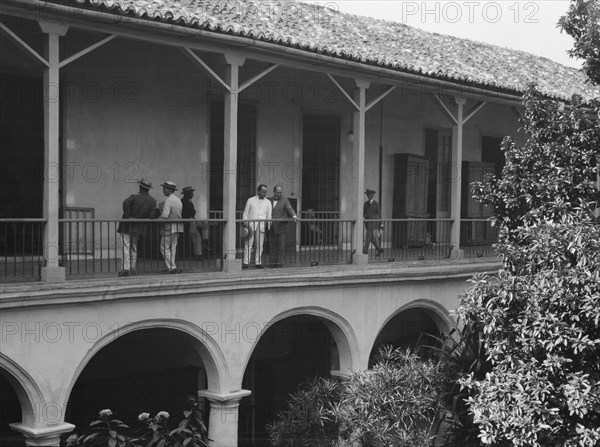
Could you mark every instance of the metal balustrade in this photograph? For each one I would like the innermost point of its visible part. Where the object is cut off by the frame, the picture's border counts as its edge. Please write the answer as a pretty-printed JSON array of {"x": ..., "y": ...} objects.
[
  {"x": 408, "y": 240},
  {"x": 96, "y": 247},
  {"x": 309, "y": 242},
  {"x": 21, "y": 249},
  {"x": 477, "y": 239}
]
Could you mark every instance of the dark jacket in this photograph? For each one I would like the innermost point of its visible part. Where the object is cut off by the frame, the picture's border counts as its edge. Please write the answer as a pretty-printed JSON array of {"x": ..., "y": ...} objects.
[
  {"x": 371, "y": 211},
  {"x": 188, "y": 211},
  {"x": 137, "y": 206},
  {"x": 282, "y": 210}
]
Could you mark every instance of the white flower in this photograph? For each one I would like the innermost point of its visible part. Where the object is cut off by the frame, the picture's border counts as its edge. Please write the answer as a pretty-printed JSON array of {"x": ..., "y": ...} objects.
[
  {"x": 143, "y": 416},
  {"x": 72, "y": 440},
  {"x": 105, "y": 413},
  {"x": 162, "y": 415}
]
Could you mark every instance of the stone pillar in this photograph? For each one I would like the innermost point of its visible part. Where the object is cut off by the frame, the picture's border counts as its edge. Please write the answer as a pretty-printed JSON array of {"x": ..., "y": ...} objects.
[
  {"x": 230, "y": 162},
  {"x": 43, "y": 437},
  {"x": 360, "y": 96},
  {"x": 52, "y": 271},
  {"x": 456, "y": 182},
  {"x": 224, "y": 416}
]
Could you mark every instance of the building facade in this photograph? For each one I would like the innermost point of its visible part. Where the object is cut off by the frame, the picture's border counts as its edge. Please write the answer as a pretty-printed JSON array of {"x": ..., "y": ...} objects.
[{"x": 224, "y": 97}]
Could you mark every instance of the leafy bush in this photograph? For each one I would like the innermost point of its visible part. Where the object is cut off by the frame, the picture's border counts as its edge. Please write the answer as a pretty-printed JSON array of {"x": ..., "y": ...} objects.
[
  {"x": 540, "y": 315},
  {"x": 394, "y": 403},
  {"x": 310, "y": 419},
  {"x": 108, "y": 431}
]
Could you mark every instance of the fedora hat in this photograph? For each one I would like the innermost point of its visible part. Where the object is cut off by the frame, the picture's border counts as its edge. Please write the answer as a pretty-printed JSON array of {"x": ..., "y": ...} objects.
[
  {"x": 145, "y": 184},
  {"x": 245, "y": 232},
  {"x": 187, "y": 189},
  {"x": 169, "y": 185},
  {"x": 370, "y": 191}
]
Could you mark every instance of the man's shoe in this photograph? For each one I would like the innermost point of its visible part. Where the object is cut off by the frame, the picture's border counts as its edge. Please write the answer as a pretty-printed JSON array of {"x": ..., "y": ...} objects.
[
  {"x": 244, "y": 266},
  {"x": 123, "y": 273},
  {"x": 259, "y": 266}
]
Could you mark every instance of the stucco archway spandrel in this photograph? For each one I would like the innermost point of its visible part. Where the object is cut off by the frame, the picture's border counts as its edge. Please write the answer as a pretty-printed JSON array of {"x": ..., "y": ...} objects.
[
  {"x": 216, "y": 368},
  {"x": 340, "y": 329},
  {"x": 438, "y": 313},
  {"x": 29, "y": 394}
]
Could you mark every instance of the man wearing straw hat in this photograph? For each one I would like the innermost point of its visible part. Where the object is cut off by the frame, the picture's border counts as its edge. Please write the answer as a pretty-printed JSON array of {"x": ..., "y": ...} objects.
[
  {"x": 169, "y": 232},
  {"x": 191, "y": 234},
  {"x": 136, "y": 206},
  {"x": 371, "y": 211}
]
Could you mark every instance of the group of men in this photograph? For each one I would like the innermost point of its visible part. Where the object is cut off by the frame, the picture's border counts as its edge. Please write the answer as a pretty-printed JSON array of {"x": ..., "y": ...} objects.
[
  {"x": 260, "y": 210},
  {"x": 264, "y": 215},
  {"x": 144, "y": 206}
]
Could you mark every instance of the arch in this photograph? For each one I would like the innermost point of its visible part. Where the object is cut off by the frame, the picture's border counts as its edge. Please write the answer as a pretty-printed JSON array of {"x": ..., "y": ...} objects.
[
  {"x": 28, "y": 392},
  {"x": 438, "y": 313},
  {"x": 210, "y": 353},
  {"x": 340, "y": 329}
]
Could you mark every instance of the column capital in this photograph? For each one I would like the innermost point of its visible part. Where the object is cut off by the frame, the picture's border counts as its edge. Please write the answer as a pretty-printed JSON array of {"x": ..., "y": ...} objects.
[
  {"x": 225, "y": 398},
  {"x": 341, "y": 375},
  {"x": 42, "y": 437},
  {"x": 362, "y": 83},
  {"x": 53, "y": 28},
  {"x": 460, "y": 100},
  {"x": 233, "y": 58}
]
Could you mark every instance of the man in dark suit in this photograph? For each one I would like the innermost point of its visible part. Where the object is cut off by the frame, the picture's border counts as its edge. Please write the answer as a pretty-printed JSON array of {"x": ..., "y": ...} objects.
[
  {"x": 282, "y": 209},
  {"x": 136, "y": 206},
  {"x": 371, "y": 210}
]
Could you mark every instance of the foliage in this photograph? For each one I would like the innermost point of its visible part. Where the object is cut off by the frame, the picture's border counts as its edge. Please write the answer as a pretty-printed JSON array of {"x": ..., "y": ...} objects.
[
  {"x": 394, "y": 403},
  {"x": 552, "y": 176},
  {"x": 582, "y": 23},
  {"x": 108, "y": 431},
  {"x": 463, "y": 352},
  {"x": 540, "y": 315},
  {"x": 309, "y": 419}
]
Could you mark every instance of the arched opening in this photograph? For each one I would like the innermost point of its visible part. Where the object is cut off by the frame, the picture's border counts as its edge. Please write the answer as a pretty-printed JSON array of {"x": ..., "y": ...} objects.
[
  {"x": 10, "y": 412},
  {"x": 291, "y": 351},
  {"x": 147, "y": 370},
  {"x": 407, "y": 329}
]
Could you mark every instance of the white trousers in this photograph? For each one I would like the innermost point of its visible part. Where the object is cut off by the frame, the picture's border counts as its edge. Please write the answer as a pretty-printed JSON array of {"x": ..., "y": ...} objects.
[
  {"x": 168, "y": 249},
  {"x": 260, "y": 240}
]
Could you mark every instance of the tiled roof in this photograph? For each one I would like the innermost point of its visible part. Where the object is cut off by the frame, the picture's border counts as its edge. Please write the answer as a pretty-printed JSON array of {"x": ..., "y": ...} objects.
[{"x": 362, "y": 39}]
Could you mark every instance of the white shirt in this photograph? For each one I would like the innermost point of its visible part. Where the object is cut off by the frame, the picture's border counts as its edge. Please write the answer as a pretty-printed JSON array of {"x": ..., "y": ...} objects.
[
  {"x": 257, "y": 208},
  {"x": 172, "y": 210}
]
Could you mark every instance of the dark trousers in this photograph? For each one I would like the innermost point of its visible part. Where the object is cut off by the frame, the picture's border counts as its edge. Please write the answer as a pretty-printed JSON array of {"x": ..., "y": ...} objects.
[
  {"x": 370, "y": 237},
  {"x": 277, "y": 242}
]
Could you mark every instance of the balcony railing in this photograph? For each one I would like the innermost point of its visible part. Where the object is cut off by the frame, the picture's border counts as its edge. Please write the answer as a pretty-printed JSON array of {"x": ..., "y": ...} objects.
[
  {"x": 21, "y": 249},
  {"x": 408, "y": 240},
  {"x": 477, "y": 239},
  {"x": 413, "y": 240},
  {"x": 309, "y": 242},
  {"x": 96, "y": 247}
]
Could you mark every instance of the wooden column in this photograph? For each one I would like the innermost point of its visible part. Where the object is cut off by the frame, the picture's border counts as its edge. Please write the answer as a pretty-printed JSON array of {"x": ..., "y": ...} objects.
[
  {"x": 230, "y": 161},
  {"x": 457, "y": 151},
  {"x": 360, "y": 96},
  {"x": 52, "y": 271}
]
